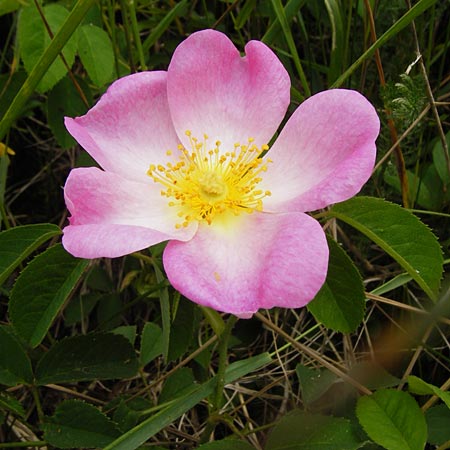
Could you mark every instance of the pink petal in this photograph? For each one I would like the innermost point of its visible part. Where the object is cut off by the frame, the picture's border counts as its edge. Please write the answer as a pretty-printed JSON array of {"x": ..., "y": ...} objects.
[
  {"x": 108, "y": 240},
  {"x": 130, "y": 127},
  {"x": 112, "y": 216},
  {"x": 324, "y": 154},
  {"x": 213, "y": 90},
  {"x": 257, "y": 261}
]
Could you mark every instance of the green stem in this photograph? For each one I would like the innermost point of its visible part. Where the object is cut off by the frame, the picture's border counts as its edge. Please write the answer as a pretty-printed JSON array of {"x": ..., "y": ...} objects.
[
  {"x": 126, "y": 28},
  {"x": 40, "y": 413},
  {"x": 112, "y": 26},
  {"x": 223, "y": 358},
  {"x": 214, "y": 319},
  {"x": 4, "y": 217},
  {"x": 137, "y": 38},
  {"x": 216, "y": 401},
  {"x": 4, "y": 163}
]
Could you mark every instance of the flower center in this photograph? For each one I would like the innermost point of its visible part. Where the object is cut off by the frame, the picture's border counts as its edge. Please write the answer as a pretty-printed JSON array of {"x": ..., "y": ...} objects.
[
  {"x": 212, "y": 185},
  {"x": 206, "y": 183}
]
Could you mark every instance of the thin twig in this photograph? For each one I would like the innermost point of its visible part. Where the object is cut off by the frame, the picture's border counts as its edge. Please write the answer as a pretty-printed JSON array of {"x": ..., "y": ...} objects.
[
  {"x": 74, "y": 393},
  {"x": 400, "y": 139},
  {"x": 430, "y": 93},
  {"x": 61, "y": 55},
  {"x": 388, "y": 301},
  {"x": 313, "y": 354},
  {"x": 399, "y": 160},
  {"x": 415, "y": 356},
  {"x": 175, "y": 368},
  {"x": 435, "y": 398}
]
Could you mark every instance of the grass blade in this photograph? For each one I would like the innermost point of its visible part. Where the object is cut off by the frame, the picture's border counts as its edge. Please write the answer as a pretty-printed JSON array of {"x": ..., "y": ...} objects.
[
  {"x": 420, "y": 7},
  {"x": 290, "y": 10},
  {"x": 149, "y": 427},
  {"x": 46, "y": 60},
  {"x": 281, "y": 16},
  {"x": 163, "y": 25}
]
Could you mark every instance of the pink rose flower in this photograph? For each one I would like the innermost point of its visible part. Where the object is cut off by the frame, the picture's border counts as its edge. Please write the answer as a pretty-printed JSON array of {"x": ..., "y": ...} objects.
[{"x": 184, "y": 160}]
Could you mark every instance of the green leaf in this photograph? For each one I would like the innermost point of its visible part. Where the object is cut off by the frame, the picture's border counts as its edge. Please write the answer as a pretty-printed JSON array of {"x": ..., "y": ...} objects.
[
  {"x": 41, "y": 290},
  {"x": 314, "y": 382},
  {"x": 130, "y": 411},
  {"x": 214, "y": 319},
  {"x": 438, "y": 418},
  {"x": 8, "y": 6},
  {"x": 440, "y": 161},
  {"x": 372, "y": 375},
  {"x": 98, "y": 278},
  {"x": 299, "y": 430},
  {"x": 176, "y": 408},
  {"x": 177, "y": 384},
  {"x": 127, "y": 331},
  {"x": 425, "y": 191},
  {"x": 64, "y": 100},
  {"x": 34, "y": 40},
  {"x": 11, "y": 404},
  {"x": 76, "y": 424},
  {"x": 96, "y": 53},
  {"x": 19, "y": 242},
  {"x": 416, "y": 187},
  {"x": 361, "y": 7},
  {"x": 165, "y": 312},
  {"x": 109, "y": 311},
  {"x": 393, "y": 420},
  {"x": 15, "y": 366},
  {"x": 241, "y": 368},
  {"x": 9, "y": 87},
  {"x": 420, "y": 387},
  {"x": 394, "y": 283},
  {"x": 80, "y": 307},
  {"x": 227, "y": 444},
  {"x": 432, "y": 193},
  {"x": 182, "y": 329},
  {"x": 101, "y": 356},
  {"x": 400, "y": 234},
  {"x": 340, "y": 303},
  {"x": 151, "y": 343},
  {"x": 40, "y": 69}
]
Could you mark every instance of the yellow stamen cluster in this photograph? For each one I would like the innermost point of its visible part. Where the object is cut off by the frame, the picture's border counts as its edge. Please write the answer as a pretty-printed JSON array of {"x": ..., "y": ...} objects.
[{"x": 206, "y": 183}]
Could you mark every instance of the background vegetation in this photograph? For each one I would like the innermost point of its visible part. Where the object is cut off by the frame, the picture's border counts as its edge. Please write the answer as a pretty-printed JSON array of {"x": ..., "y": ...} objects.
[{"x": 106, "y": 354}]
